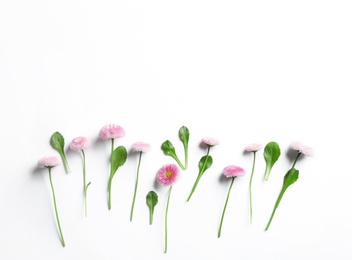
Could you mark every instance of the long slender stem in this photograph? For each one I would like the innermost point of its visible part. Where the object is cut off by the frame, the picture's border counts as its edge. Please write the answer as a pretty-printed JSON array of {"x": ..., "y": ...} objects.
[
  {"x": 276, "y": 206},
  {"x": 166, "y": 213},
  {"x": 56, "y": 211},
  {"x": 225, "y": 206},
  {"x": 111, "y": 175},
  {"x": 186, "y": 156},
  {"x": 84, "y": 184},
  {"x": 280, "y": 195},
  {"x": 199, "y": 175},
  {"x": 250, "y": 187},
  {"x": 136, "y": 185}
]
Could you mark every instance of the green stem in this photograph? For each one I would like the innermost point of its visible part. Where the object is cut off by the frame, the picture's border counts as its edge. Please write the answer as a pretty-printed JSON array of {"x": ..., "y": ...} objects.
[
  {"x": 151, "y": 211},
  {"x": 281, "y": 195},
  {"x": 111, "y": 175},
  {"x": 199, "y": 175},
  {"x": 250, "y": 187},
  {"x": 294, "y": 163},
  {"x": 225, "y": 206},
  {"x": 67, "y": 167},
  {"x": 179, "y": 162},
  {"x": 56, "y": 212},
  {"x": 186, "y": 156},
  {"x": 84, "y": 184},
  {"x": 136, "y": 185},
  {"x": 276, "y": 206},
  {"x": 166, "y": 213}
]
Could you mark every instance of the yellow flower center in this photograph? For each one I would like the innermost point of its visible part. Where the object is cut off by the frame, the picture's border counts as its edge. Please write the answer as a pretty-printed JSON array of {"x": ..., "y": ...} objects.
[{"x": 168, "y": 174}]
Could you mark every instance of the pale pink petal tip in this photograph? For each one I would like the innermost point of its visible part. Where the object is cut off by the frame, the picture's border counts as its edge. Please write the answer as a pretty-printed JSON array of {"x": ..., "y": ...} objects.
[
  {"x": 79, "y": 143},
  {"x": 140, "y": 147},
  {"x": 233, "y": 171},
  {"x": 210, "y": 141},
  {"x": 168, "y": 174},
  {"x": 48, "y": 161},
  {"x": 299, "y": 147},
  {"x": 111, "y": 131},
  {"x": 253, "y": 147}
]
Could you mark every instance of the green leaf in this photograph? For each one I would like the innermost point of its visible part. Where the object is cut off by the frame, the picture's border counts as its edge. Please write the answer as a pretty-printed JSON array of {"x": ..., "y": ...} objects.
[
  {"x": 271, "y": 155},
  {"x": 118, "y": 158},
  {"x": 183, "y": 134},
  {"x": 57, "y": 141},
  {"x": 152, "y": 200},
  {"x": 290, "y": 178},
  {"x": 168, "y": 149},
  {"x": 205, "y": 163}
]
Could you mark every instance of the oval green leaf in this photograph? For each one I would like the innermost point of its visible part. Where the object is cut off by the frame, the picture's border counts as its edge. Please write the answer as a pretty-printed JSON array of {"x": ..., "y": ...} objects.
[
  {"x": 118, "y": 158},
  {"x": 271, "y": 155},
  {"x": 152, "y": 200}
]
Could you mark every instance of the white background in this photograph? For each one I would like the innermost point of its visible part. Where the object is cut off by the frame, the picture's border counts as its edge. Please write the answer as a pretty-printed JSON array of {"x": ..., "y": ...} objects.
[{"x": 239, "y": 71}]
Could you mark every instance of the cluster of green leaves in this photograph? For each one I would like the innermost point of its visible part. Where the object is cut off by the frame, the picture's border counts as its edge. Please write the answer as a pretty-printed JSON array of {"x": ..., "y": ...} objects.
[{"x": 168, "y": 148}]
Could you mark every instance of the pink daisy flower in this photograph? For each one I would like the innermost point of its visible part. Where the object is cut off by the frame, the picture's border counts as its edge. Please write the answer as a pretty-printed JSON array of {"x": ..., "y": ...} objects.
[
  {"x": 79, "y": 143},
  {"x": 48, "y": 162},
  {"x": 253, "y": 147},
  {"x": 210, "y": 141},
  {"x": 111, "y": 131},
  {"x": 299, "y": 147},
  {"x": 168, "y": 174},
  {"x": 229, "y": 171},
  {"x": 233, "y": 171},
  {"x": 140, "y": 147}
]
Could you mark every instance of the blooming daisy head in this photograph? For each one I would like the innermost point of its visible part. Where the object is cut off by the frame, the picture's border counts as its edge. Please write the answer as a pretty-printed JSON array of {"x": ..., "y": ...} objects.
[
  {"x": 210, "y": 141},
  {"x": 48, "y": 162},
  {"x": 168, "y": 174},
  {"x": 140, "y": 147},
  {"x": 79, "y": 143},
  {"x": 111, "y": 131},
  {"x": 253, "y": 147},
  {"x": 299, "y": 147},
  {"x": 233, "y": 171}
]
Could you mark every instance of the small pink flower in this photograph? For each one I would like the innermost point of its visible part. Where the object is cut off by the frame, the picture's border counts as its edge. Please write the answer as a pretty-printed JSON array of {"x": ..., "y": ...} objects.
[
  {"x": 210, "y": 141},
  {"x": 111, "y": 131},
  {"x": 233, "y": 171},
  {"x": 140, "y": 147},
  {"x": 48, "y": 162},
  {"x": 253, "y": 147},
  {"x": 168, "y": 174},
  {"x": 299, "y": 147},
  {"x": 79, "y": 143}
]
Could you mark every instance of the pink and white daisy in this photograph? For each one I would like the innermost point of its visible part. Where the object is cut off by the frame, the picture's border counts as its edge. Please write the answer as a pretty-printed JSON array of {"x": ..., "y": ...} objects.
[
  {"x": 48, "y": 162},
  {"x": 299, "y": 147},
  {"x": 230, "y": 171},
  {"x": 253, "y": 147},
  {"x": 79, "y": 143},
  {"x": 210, "y": 141},
  {"x": 140, "y": 147},
  {"x": 233, "y": 171},
  {"x": 111, "y": 131},
  {"x": 168, "y": 174}
]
